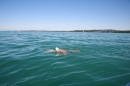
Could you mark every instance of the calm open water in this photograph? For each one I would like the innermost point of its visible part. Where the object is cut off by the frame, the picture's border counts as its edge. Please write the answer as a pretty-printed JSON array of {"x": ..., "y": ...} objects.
[{"x": 104, "y": 59}]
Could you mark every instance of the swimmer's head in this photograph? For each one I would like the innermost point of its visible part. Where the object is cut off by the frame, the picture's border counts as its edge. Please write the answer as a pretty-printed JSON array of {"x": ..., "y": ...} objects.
[{"x": 57, "y": 48}]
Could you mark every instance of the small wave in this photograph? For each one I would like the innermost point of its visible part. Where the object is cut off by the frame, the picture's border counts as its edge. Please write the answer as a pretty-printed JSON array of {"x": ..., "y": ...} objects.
[
  {"x": 113, "y": 77},
  {"x": 13, "y": 72},
  {"x": 74, "y": 51},
  {"x": 19, "y": 82}
]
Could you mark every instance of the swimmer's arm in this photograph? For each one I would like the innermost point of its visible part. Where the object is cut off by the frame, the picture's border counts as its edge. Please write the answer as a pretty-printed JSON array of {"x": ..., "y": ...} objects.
[{"x": 54, "y": 51}]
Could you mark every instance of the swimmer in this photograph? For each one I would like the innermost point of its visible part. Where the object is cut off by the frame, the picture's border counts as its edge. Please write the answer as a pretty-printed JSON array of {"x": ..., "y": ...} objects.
[
  {"x": 64, "y": 51},
  {"x": 60, "y": 51}
]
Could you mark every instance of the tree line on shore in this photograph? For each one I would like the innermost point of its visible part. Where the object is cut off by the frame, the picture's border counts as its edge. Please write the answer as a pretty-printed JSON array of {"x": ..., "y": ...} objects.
[{"x": 106, "y": 31}]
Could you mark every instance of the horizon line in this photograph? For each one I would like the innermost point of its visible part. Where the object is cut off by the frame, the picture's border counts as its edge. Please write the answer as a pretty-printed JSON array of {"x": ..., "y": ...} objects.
[{"x": 72, "y": 30}]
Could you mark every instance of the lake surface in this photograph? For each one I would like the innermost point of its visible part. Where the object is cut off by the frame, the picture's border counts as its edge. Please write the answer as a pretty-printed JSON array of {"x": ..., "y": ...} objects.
[{"x": 103, "y": 60}]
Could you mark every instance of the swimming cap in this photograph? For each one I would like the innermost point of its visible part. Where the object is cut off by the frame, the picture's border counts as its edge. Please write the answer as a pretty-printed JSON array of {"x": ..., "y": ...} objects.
[{"x": 57, "y": 48}]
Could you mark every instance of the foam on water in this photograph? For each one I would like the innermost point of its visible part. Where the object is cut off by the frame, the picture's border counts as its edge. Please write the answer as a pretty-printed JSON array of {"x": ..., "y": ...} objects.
[{"x": 49, "y": 50}]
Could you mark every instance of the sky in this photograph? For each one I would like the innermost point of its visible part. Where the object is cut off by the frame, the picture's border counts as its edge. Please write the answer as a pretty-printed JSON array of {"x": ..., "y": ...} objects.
[{"x": 64, "y": 15}]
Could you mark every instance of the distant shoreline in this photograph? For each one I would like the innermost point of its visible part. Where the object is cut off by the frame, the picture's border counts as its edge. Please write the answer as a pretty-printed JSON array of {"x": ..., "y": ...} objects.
[
  {"x": 104, "y": 31},
  {"x": 101, "y": 31}
]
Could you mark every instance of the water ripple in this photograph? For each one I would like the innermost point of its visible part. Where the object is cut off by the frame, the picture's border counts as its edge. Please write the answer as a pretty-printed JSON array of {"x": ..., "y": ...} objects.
[{"x": 104, "y": 58}]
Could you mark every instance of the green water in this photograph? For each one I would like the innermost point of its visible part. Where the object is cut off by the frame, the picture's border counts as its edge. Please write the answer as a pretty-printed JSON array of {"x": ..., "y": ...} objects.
[{"x": 104, "y": 59}]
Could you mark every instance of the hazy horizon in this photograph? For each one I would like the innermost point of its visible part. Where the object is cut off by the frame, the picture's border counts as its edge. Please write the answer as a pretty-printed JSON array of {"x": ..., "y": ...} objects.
[{"x": 64, "y": 15}]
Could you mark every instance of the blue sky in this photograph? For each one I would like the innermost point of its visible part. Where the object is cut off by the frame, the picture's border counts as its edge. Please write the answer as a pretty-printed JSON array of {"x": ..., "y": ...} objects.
[{"x": 64, "y": 14}]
